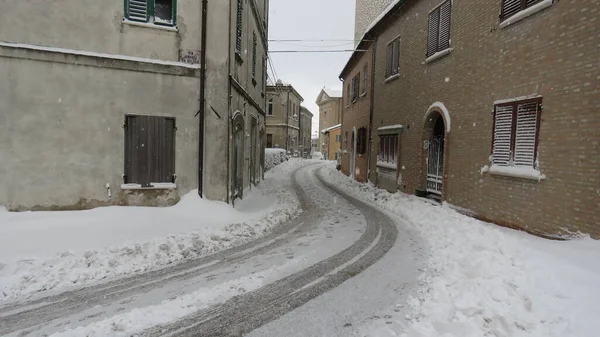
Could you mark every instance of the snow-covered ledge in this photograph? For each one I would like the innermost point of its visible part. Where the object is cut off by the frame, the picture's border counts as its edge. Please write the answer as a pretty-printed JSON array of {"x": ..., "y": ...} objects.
[
  {"x": 438, "y": 55},
  {"x": 386, "y": 165},
  {"x": 526, "y": 12},
  {"x": 391, "y": 78},
  {"x": 150, "y": 25},
  {"x": 155, "y": 186},
  {"x": 514, "y": 171}
]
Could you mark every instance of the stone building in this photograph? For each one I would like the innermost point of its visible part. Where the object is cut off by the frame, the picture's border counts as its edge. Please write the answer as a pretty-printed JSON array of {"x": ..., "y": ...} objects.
[
  {"x": 305, "y": 131},
  {"x": 130, "y": 102},
  {"x": 283, "y": 118},
  {"x": 497, "y": 115}
]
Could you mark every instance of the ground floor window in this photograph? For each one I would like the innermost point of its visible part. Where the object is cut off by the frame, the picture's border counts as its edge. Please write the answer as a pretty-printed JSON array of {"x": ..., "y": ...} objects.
[
  {"x": 388, "y": 149},
  {"x": 516, "y": 129},
  {"x": 149, "y": 150}
]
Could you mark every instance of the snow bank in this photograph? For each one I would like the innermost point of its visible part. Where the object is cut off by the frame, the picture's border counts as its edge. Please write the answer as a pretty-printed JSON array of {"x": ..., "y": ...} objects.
[
  {"x": 485, "y": 280},
  {"x": 274, "y": 157},
  {"x": 136, "y": 236}
]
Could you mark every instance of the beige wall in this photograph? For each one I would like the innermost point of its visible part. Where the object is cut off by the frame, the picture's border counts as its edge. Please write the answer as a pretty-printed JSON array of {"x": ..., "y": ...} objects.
[
  {"x": 283, "y": 124},
  {"x": 329, "y": 115}
]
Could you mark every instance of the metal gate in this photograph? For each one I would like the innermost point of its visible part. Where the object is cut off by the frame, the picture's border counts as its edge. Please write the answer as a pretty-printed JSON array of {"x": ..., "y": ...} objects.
[{"x": 435, "y": 165}]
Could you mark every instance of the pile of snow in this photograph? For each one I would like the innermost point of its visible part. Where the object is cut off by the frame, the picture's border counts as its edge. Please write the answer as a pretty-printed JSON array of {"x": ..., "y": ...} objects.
[
  {"x": 42, "y": 251},
  {"x": 274, "y": 157},
  {"x": 485, "y": 280}
]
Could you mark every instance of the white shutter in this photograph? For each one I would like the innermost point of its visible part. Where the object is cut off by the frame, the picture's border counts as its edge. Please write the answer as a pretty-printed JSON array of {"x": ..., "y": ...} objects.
[
  {"x": 137, "y": 10},
  {"x": 526, "y": 134},
  {"x": 510, "y": 8},
  {"x": 445, "y": 16},
  {"x": 503, "y": 120}
]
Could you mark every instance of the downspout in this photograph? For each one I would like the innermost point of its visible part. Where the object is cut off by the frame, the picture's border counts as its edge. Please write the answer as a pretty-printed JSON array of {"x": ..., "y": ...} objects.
[
  {"x": 371, "y": 109},
  {"x": 287, "y": 123},
  {"x": 229, "y": 114},
  {"x": 202, "y": 110}
]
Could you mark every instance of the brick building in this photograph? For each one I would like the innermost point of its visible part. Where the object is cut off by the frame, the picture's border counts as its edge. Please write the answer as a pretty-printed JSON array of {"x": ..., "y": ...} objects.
[
  {"x": 493, "y": 114},
  {"x": 356, "y": 114}
]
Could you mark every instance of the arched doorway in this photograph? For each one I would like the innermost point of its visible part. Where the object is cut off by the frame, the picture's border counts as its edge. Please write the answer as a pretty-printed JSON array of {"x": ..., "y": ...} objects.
[{"x": 435, "y": 144}]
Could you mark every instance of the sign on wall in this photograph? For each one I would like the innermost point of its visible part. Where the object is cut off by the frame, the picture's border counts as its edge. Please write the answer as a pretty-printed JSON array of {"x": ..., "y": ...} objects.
[{"x": 189, "y": 56}]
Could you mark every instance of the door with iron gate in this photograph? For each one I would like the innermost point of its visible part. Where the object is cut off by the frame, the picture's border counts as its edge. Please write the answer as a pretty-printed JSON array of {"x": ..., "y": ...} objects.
[{"x": 435, "y": 158}]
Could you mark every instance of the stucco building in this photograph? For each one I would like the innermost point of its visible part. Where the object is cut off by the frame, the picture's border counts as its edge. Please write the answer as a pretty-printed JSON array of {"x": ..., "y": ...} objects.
[
  {"x": 497, "y": 114},
  {"x": 330, "y": 104},
  {"x": 305, "y": 131},
  {"x": 130, "y": 102},
  {"x": 283, "y": 118}
]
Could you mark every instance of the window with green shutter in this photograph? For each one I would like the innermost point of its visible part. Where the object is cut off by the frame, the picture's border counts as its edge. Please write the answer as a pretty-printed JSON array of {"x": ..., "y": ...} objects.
[{"x": 158, "y": 12}]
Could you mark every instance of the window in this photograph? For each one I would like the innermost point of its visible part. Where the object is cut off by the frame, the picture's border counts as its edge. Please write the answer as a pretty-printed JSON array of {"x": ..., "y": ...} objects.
[
  {"x": 439, "y": 28},
  {"x": 388, "y": 149},
  {"x": 338, "y": 138},
  {"x": 254, "y": 57},
  {"x": 512, "y": 7},
  {"x": 149, "y": 150},
  {"x": 355, "y": 87},
  {"x": 393, "y": 58},
  {"x": 516, "y": 130},
  {"x": 270, "y": 107},
  {"x": 269, "y": 140},
  {"x": 364, "y": 79},
  {"x": 361, "y": 141},
  {"x": 239, "y": 26},
  {"x": 160, "y": 12}
]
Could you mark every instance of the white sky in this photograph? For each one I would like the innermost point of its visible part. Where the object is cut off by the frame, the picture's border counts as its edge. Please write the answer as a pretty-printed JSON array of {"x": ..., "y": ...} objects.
[{"x": 311, "y": 20}]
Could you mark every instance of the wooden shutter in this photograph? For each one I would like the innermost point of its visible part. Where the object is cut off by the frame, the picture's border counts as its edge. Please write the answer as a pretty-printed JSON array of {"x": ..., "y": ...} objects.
[
  {"x": 396, "y": 56},
  {"x": 432, "y": 37},
  {"x": 239, "y": 26},
  {"x": 444, "y": 28},
  {"x": 503, "y": 125},
  {"x": 137, "y": 10},
  {"x": 510, "y": 8},
  {"x": 388, "y": 71},
  {"x": 532, "y": 2},
  {"x": 526, "y": 134},
  {"x": 254, "y": 55}
]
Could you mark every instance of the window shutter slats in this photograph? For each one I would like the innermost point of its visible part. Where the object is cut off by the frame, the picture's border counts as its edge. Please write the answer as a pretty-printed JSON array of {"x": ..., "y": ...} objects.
[
  {"x": 444, "y": 28},
  {"x": 503, "y": 121},
  {"x": 239, "y": 23},
  {"x": 396, "y": 57},
  {"x": 432, "y": 39},
  {"x": 533, "y": 2},
  {"x": 137, "y": 10},
  {"x": 526, "y": 133},
  {"x": 388, "y": 71},
  {"x": 510, "y": 8}
]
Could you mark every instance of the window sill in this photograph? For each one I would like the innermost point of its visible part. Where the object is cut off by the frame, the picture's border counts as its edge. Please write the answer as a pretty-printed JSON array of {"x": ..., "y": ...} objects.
[
  {"x": 385, "y": 165},
  {"x": 363, "y": 94},
  {"x": 526, "y": 13},
  {"x": 515, "y": 172},
  {"x": 155, "y": 186},
  {"x": 438, "y": 55},
  {"x": 150, "y": 25},
  {"x": 391, "y": 78}
]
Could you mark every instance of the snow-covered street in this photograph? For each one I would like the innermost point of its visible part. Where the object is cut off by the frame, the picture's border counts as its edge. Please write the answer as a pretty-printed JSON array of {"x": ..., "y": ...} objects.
[{"x": 309, "y": 253}]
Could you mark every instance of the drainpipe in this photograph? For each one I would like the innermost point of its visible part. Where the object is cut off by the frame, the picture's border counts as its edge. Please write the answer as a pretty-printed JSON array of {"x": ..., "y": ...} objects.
[
  {"x": 371, "y": 109},
  {"x": 202, "y": 110},
  {"x": 287, "y": 122}
]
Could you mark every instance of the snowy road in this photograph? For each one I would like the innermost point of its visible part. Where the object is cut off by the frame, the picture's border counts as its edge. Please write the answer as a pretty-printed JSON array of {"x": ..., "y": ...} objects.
[{"x": 260, "y": 287}]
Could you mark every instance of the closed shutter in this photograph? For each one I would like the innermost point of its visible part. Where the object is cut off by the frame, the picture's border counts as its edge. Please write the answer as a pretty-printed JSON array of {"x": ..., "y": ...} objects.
[
  {"x": 137, "y": 10},
  {"x": 239, "y": 26},
  {"x": 389, "y": 52},
  {"x": 254, "y": 55},
  {"x": 444, "y": 30},
  {"x": 432, "y": 37},
  {"x": 533, "y": 2},
  {"x": 503, "y": 121},
  {"x": 510, "y": 8},
  {"x": 396, "y": 57},
  {"x": 526, "y": 134}
]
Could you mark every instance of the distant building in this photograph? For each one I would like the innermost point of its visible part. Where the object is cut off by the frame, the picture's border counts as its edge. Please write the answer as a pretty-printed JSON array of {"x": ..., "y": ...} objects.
[
  {"x": 125, "y": 103},
  {"x": 283, "y": 118},
  {"x": 330, "y": 115},
  {"x": 305, "y": 131}
]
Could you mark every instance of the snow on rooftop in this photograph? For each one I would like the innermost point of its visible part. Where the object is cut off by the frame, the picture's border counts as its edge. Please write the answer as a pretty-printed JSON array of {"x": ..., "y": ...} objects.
[
  {"x": 101, "y": 55},
  {"x": 333, "y": 93},
  {"x": 331, "y": 128},
  {"x": 390, "y": 127},
  {"x": 380, "y": 17}
]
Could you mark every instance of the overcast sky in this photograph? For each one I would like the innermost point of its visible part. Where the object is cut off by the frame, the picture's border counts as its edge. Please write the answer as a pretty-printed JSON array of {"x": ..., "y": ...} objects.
[{"x": 311, "y": 20}]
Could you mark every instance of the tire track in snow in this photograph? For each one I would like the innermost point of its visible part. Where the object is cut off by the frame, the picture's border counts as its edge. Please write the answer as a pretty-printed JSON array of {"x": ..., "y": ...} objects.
[
  {"x": 244, "y": 313},
  {"x": 33, "y": 315}
]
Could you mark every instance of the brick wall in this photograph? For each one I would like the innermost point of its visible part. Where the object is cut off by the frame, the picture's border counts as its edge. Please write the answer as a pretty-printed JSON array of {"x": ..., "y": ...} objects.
[{"x": 554, "y": 53}]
